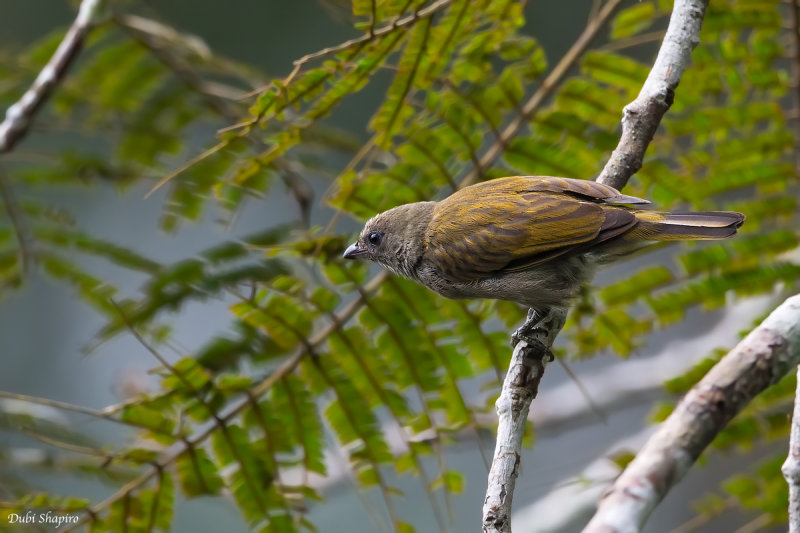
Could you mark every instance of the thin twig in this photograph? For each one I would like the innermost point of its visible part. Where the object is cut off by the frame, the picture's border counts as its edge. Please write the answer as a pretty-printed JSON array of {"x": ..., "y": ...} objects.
[
  {"x": 762, "y": 359},
  {"x": 791, "y": 467},
  {"x": 76, "y": 448},
  {"x": 160, "y": 40},
  {"x": 794, "y": 18},
  {"x": 756, "y": 524},
  {"x": 635, "y": 40},
  {"x": 19, "y": 115},
  {"x": 367, "y": 37},
  {"x": 640, "y": 118},
  {"x": 106, "y": 413},
  {"x": 596, "y": 409},
  {"x": 27, "y": 256},
  {"x": 201, "y": 399}
]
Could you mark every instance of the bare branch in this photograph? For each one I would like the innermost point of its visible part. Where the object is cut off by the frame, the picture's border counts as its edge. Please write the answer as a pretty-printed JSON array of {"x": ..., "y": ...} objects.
[
  {"x": 639, "y": 123},
  {"x": 19, "y": 116},
  {"x": 762, "y": 359},
  {"x": 520, "y": 387},
  {"x": 106, "y": 413},
  {"x": 640, "y": 118},
  {"x": 791, "y": 467}
]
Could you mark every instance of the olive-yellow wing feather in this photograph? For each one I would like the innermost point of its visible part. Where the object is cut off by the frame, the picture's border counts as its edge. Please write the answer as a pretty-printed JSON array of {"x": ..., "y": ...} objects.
[{"x": 513, "y": 223}]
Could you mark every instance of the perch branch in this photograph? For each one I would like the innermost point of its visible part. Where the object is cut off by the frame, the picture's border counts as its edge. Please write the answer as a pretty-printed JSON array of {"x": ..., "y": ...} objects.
[
  {"x": 764, "y": 357},
  {"x": 520, "y": 387},
  {"x": 19, "y": 115},
  {"x": 791, "y": 467},
  {"x": 639, "y": 123},
  {"x": 641, "y": 117}
]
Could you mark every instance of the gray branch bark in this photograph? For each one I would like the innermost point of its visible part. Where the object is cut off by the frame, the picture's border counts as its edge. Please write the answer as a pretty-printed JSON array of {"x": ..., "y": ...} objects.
[
  {"x": 639, "y": 123},
  {"x": 520, "y": 387},
  {"x": 19, "y": 116},
  {"x": 791, "y": 467},
  {"x": 640, "y": 118},
  {"x": 763, "y": 358}
]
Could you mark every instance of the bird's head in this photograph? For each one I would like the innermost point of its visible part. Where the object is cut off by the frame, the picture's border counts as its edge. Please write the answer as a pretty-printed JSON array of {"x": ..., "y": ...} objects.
[{"x": 394, "y": 238}]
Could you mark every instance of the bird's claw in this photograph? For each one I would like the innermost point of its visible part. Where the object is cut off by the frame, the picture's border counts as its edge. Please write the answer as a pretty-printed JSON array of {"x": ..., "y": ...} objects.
[
  {"x": 531, "y": 332},
  {"x": 533, "y": 341}
]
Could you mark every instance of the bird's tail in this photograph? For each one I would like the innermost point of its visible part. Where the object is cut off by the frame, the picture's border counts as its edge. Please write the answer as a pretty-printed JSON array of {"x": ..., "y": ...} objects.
[{"x": 706, "y": 225}]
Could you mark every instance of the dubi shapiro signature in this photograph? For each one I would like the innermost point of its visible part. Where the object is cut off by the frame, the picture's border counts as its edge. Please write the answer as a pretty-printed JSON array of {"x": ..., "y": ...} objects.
[{"x": 45, "y": 517}]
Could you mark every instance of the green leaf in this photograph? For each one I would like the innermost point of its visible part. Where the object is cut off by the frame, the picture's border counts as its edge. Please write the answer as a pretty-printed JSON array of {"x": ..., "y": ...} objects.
[
  {"x": 633, "y": 20},
  {"x": 198, "y": 475},
  {"x": 148, "y": 418}
]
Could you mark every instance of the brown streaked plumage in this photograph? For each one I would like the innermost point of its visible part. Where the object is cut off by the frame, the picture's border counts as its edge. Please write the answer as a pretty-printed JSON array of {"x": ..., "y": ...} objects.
[{"x": 529, "y": 239}]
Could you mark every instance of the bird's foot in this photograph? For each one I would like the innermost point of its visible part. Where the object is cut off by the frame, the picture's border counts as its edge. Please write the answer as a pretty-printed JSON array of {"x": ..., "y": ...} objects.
[{"x": 532, "y": 332}]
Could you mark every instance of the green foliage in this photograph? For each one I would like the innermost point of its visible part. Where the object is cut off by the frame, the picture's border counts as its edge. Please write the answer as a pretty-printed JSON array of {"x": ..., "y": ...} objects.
[{"x": 314, "y": 349}]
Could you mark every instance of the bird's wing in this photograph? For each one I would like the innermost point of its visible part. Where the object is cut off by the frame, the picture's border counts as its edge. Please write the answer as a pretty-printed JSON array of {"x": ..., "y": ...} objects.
[
  {"x": 586, "y": 189},
  {"x": 511, "y": 224}
]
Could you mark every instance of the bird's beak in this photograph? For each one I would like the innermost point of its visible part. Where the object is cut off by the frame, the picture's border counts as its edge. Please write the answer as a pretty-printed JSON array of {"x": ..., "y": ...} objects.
[{"x": 354, "y": 252}]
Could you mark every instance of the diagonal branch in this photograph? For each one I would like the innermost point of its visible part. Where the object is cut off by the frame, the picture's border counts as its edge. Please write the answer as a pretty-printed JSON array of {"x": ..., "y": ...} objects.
[
  {"x": 762, "y": 359},
  {"x": 19, "y": 116},
  {"x": 641, "y": 117},
  {"x": 639, "y": 123}
]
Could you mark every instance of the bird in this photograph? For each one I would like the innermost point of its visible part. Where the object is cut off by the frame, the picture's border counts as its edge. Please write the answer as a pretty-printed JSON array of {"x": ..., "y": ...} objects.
[{"x": 533, "y": 240}]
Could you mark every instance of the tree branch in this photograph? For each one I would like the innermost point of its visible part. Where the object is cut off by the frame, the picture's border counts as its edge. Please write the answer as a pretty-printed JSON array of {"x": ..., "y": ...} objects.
[
  {"x": 520, "y": 387},
  {"x": 639, "y": 123},
  {"x": 762, "y": 359},
  {"x": 17, "y": 219},
  {"x": 640, "y": 118},
  {"x": 791, "y": 467},
  {"x": 19, "y": 116}
]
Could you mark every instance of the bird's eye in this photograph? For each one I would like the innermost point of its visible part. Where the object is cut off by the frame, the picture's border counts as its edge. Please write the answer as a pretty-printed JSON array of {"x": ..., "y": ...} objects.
[{"x": 375, "y": 238}]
